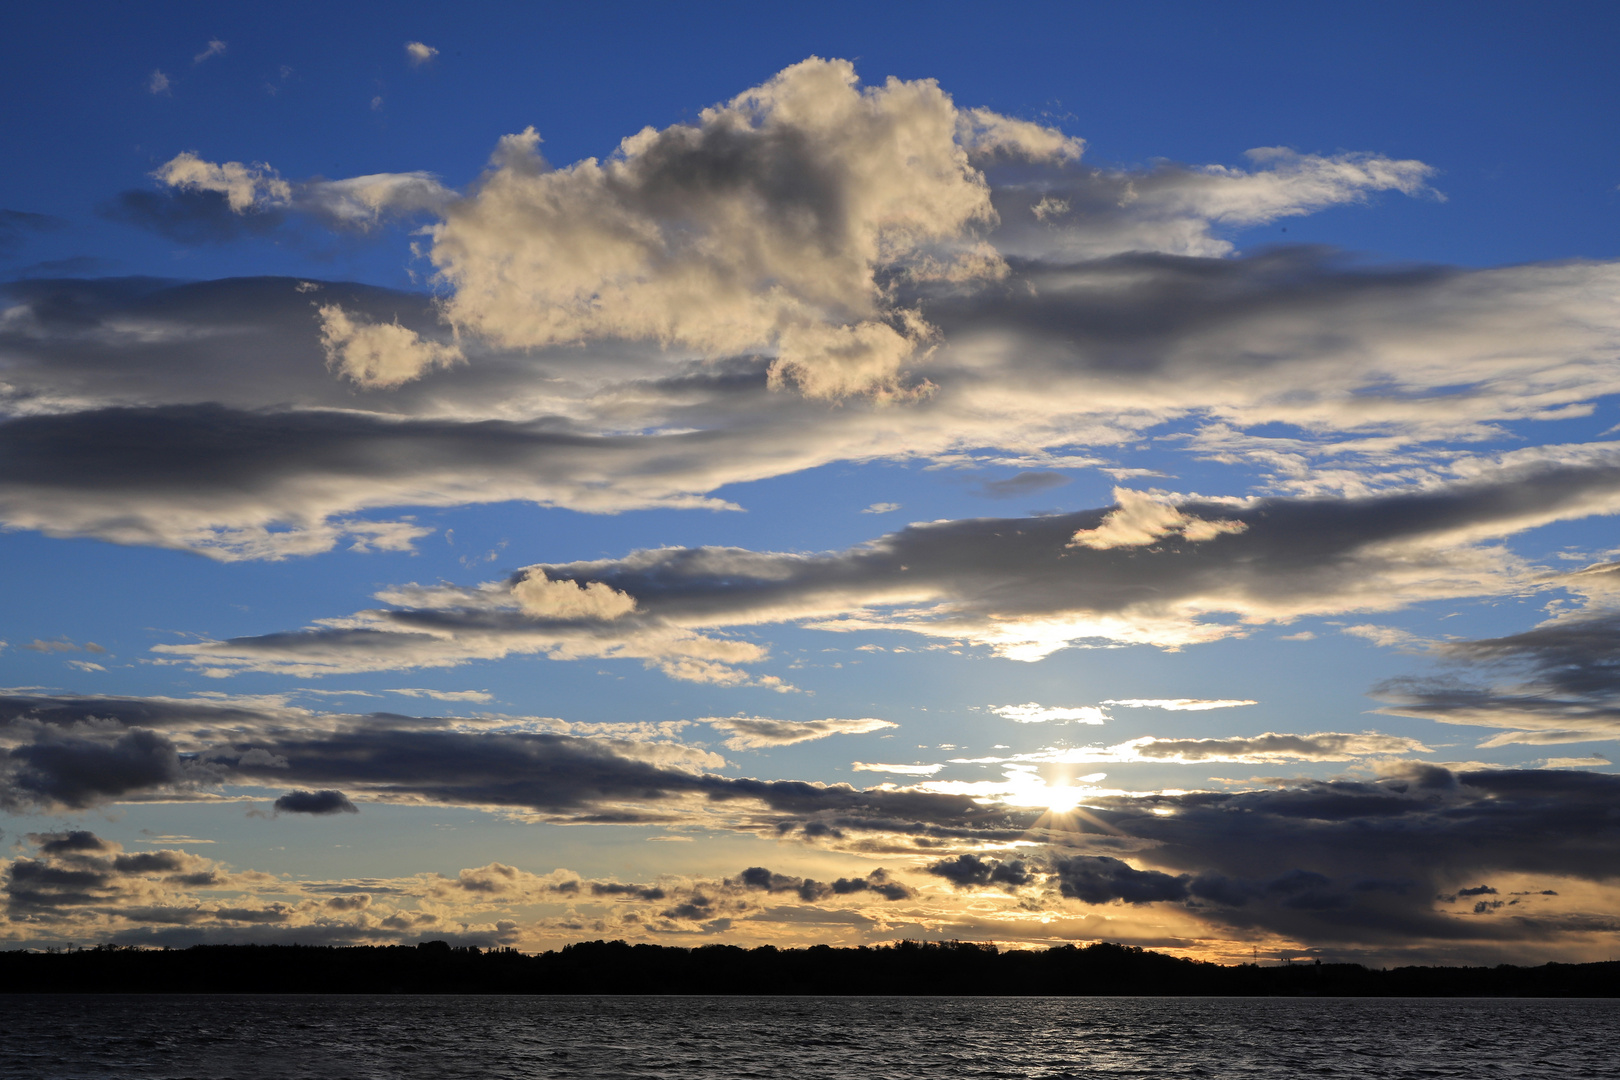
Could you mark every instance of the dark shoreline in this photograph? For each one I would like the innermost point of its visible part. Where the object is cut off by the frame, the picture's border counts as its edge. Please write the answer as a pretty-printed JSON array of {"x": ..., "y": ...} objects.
[{"x": 906, "y": 969}]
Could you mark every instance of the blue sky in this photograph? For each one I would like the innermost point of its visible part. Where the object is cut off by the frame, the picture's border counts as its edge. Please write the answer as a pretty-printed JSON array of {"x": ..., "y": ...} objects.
[{"x": 1227, "y": 390}]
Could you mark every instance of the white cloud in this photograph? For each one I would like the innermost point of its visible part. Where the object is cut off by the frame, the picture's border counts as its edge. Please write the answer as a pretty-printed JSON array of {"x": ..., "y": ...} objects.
[
  {"x": 1389, "y": 637},
  {"x": 761, "y": 226},
  {"x": 546, "y": 599},
  {"x": 362, "y": 201},
  {"x": 1266, "y": 749},
  {"x": 480, "y": 696},
  {"x": 756, "y": 732},
  {"x": 418, "y": 53},
  {"x": 379, "y": 356},
  {"x": 1147, "y": 517},
  {"x": 1180, "y": 210},
  {"x": 1012, "y": 585},
  {"x": 1180, "y": 704},
  {"x": 245, "y": 187},
  {"x": 215, "y": 48},
  {"x": 1593, "y": 761},
  {"x": 1366, "y": 363},
  {"x": 157, "y": 82},
  {"x": 898, "y": 770},
  {"x": 881, "y": 508},
  {"x": 1036, "y": 713}
]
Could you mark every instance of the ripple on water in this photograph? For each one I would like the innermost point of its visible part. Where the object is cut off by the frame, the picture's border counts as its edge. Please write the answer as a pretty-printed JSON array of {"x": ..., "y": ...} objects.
[{"x": 678, "y": 1038}]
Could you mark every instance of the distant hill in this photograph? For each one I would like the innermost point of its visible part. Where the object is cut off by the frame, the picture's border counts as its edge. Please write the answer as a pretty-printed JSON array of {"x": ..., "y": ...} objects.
[{"x": 615, "y": 967}]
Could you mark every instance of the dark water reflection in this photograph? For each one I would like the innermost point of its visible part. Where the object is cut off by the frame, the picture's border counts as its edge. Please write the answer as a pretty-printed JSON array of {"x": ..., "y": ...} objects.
[{"x": 492, "y": 1038}]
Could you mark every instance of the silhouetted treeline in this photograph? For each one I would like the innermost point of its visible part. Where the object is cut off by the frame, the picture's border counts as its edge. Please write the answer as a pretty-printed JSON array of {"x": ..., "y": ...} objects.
[{"x": 614, "y": 967}]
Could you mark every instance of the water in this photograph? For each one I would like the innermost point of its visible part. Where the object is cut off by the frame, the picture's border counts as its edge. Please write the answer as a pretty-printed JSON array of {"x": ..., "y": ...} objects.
[{"x": 786, "y": 1038}]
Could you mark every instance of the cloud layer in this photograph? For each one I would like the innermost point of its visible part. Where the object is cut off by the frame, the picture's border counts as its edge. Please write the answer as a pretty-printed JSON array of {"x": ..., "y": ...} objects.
[{"x": 644, "y": 329}]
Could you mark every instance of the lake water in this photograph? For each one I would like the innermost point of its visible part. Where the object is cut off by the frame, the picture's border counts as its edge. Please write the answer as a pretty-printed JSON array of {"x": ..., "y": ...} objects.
[{"x": 786, "y": 1038}]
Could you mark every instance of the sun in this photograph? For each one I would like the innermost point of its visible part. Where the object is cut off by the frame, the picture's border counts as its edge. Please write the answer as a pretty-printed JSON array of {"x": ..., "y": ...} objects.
[{"x": 1063, "y": 799}]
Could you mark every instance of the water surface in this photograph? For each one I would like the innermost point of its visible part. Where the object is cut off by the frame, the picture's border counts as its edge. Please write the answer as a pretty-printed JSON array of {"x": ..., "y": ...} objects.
[{"x": 677, "y": 1038}]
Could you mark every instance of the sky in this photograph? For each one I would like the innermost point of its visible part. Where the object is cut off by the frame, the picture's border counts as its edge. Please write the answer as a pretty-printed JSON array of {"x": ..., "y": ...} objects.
[{"x": 518, "y": 474}]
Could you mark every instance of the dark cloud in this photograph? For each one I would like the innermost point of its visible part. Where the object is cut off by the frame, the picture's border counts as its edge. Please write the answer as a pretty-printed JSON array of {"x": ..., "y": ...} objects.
[
  {"x": 315, "y": 802},
  {"x": 75, "y": 772},
  {"x": 61, "y": 843},
  {"x": 70, "y": 266},
  {"x": 1291, "y": 551},
  {"x": 1098, "y": 879},
  {"x": 16, "y": 226},
  {"x": 1360, "y": 860},
  {"x": 78, "y": 871},
  {"x": 810, "y": 890},
  {"x": 1558, "y": 682},
  {"x": 190, "y": 216},
  {"x": 1024, "y": 586},
  {"x": 638, "y": 892},
  {"x": 970, "y": 871},
  {"x": 1338, "y": 860},
  {"x": 23, "y": 712},
  {"x": 236, "y": 372},
  {"x": 1027, "y": 482}
]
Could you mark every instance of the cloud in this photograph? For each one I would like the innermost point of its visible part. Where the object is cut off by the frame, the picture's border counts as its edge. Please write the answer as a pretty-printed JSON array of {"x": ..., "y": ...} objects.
[
  {"x": 77, "y": 752},
  {"x": 1560, "y": 683},
  {"x": 1099, "y": 879},
  {"x": 77, "y": 873},
  {"x": 1182, "y": 209},
  {"x": 1595, "y": 761},
  {"x": 1267, "y": 749},
  {"x": 60, "y": 769},
  {"x": 972, "y": 871},
  {"x": 480, "y": 696},
  {"x": 158, "y": 83},
  {"x": 245, "y": 187},
  {"x": 764, "y": 224},
  {"x": 770, "y": 245},
  {"x": 16, "y": 226},
  {"x": 881, "y": 508},
  {"x": 1357, "y": 862},
  {"x": 1035, "y": 713},
  {"x": 1027, "y": 482},
  {"x": 40, "y": 646},
  {"x": 215, "y": 48},
  {"x": 1273, "y": 747},
  {"x": 361, "y": 202},
  {"x": 758, "y": 732},
  {"x": 543, "y": 598},
  {"x": 1145, "y": 518},
  {"x": 1090, "y": 359},
  {"x": 1179, "y": 704},
  {"x": 418, "y": 53},
  {"x": 379, "y": 356},
  {"x": 1384, "y": 636},
  {"x": 809, "y": 890},
  {"x": 1016, "y": 586},
  {"x": 898, "y": 770},
  {"x": 358, "y": 202},
  {"x": 191, "y": 216},
  {"x": 315, "y": 802}
]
